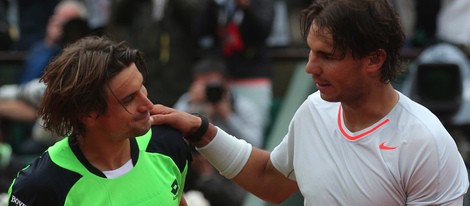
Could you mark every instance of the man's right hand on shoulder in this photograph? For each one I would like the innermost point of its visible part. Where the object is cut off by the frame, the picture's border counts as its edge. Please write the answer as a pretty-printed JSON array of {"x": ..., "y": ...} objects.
[{"x": 188, "y": 124}]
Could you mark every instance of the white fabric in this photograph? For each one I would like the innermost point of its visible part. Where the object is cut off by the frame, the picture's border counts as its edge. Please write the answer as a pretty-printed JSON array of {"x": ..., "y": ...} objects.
[
  {"x": 196, "y": 198},
  {"x": 124, "y": 169},
  {"x": 9, "y": 91},
  {"x": 32, "y": 92},
  {"x": 452, "y": 21},
  {"x": 226, "y": 153},
  {"x": 260, "y": 93},
  {"x": 425, "y": 168}
]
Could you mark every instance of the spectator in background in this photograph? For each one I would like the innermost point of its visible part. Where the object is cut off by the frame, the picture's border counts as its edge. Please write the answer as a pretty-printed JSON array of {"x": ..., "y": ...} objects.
[
  {"x": 418, "y": 19},
  {"x": 73, "y": 30},
  {"x": 33, "y": 17},
  {"x": 161, "y": 29},
  {"x": 237, "y": 31},
  {"x": 42, "y": 52},
  {"x": 210, "y": 95},
  {"x": 98, "y": 15}
]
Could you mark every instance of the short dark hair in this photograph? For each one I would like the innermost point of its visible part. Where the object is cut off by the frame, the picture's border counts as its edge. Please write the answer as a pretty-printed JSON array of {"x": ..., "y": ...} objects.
[
  {"x": 363, "y": 26},
  {"x": 73, "y": 30},
  {"x": 77, "y": 80},
  {"x": 210, "y": 64}
]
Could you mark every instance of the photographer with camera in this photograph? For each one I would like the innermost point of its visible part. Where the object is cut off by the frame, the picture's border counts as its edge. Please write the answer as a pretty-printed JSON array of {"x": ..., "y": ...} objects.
[{"x": 211, "y": 96}]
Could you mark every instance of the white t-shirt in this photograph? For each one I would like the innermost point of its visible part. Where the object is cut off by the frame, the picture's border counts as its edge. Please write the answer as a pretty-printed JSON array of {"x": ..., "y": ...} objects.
[{"x": 407, "y": 157}]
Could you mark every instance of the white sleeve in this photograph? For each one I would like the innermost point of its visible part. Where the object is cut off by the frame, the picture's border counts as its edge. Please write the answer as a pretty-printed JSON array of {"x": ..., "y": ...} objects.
[
  {"x": 282, "y": 156},
  {"x": 436, "y": 173}
]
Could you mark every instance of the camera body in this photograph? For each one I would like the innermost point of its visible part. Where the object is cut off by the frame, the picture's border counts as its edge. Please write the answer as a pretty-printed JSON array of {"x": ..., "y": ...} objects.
[{"x": 215, "y": 91}]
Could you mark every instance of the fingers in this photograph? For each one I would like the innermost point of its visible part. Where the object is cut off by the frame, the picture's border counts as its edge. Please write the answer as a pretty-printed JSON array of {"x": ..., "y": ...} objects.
[
  {"x": 186, "y": 123},
  {"x": 159, "y": 113}
]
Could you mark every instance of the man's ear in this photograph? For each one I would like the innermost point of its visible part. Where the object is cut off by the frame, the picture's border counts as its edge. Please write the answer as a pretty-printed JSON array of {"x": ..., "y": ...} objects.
[
  {"x": 376, "y": 59},
  {"x": 90, "y": 119}
]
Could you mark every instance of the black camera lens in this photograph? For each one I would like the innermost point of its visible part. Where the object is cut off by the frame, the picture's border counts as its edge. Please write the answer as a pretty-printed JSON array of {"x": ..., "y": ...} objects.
[{"x": 214, "y": 92}]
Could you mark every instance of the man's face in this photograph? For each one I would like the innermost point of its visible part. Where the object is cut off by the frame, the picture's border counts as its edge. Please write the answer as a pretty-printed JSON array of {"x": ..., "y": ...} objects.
[
  {"x": 128, "y": 109},
  {"x": 337, "y": 77}
]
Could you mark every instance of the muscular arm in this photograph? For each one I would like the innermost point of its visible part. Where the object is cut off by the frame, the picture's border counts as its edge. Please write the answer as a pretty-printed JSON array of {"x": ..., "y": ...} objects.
[
  {"x": 263, "y": 180},
  {"x": 258, "y": 175}
]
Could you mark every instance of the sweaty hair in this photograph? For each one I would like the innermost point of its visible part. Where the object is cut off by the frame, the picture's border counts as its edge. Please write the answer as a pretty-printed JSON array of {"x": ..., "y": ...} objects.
[
  {"x": 77, "y": 81},
  {"x": 362, "y": 26}
]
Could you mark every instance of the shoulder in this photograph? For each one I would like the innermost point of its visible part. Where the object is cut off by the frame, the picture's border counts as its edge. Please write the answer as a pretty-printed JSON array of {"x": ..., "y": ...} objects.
[
  {"x": 166, "y": 136},
  {"x": 418, "y": 118},
  {"x": 420, "y": 128},
  {"x": 316, "y": 106},
  {"x": 34, "y": 184},
  {"x": 169, "y": 142}
]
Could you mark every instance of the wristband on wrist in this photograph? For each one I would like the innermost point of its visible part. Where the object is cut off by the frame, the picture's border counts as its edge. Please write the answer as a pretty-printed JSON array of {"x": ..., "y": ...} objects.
[
  {"x": 196, "y": 136},
  {"x": 226, "y": 153}
]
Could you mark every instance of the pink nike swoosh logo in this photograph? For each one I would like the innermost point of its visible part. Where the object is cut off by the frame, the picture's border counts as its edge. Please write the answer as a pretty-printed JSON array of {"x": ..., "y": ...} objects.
[{"x": 384, "y": 147}]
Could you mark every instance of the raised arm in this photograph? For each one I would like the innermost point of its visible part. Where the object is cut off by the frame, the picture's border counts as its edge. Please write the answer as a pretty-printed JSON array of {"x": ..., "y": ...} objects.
[{"x": 248, "y": 166}]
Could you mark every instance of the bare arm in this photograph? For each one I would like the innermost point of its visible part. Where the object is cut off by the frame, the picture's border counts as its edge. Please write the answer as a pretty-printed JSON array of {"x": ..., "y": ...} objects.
[
  {"x": 17, "y": 110},
  {"x": 263, "y": 180},
  {"x": 183, "y": 202},
  {"x": 258, "y": 176}
]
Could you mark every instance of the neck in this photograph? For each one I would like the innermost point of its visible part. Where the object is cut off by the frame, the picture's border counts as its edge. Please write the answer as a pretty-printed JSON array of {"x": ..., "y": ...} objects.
[
  {"x": 372, "y": 107},
  {"x": 105, "y": 154}
]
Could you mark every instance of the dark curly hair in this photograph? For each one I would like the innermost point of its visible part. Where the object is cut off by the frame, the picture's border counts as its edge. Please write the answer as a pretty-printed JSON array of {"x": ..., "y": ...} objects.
[{"x": 362, "y": 26}]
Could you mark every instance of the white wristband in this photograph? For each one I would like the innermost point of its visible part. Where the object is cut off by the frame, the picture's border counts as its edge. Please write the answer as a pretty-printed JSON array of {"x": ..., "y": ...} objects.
[{"x": 226, "y": 153}]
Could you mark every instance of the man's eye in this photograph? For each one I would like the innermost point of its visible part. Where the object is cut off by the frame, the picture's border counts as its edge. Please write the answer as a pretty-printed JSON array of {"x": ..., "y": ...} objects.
[
  {"x": 128, "y": 99},
  {"x": 328, "y": 56}
]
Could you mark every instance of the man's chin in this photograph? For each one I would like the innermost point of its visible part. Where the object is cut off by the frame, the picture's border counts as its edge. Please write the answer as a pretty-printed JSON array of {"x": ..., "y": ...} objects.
[
  {"x": 142, "y": 131},
  {"x": 328, "y": 98}
]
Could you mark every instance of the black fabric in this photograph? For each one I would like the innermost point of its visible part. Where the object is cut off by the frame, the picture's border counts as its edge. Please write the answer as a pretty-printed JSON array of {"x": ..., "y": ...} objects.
[
  {"x": 78, "y": 153},
  {"x": 168, "y": 141},
  {"x": 43, "y": 183}
]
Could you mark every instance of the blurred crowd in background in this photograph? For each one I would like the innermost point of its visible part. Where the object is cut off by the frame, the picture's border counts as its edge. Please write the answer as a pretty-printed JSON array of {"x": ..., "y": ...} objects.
[{"x": 208, "y": 56}]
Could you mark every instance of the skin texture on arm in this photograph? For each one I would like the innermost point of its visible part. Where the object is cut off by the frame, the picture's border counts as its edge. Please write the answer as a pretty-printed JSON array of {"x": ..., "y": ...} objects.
[
  {"x": 183, "y": 202},
  {"x": 258, "y": 175},
  {"x": 260, "y": 178},
  {"x": 17, "y": 110}
]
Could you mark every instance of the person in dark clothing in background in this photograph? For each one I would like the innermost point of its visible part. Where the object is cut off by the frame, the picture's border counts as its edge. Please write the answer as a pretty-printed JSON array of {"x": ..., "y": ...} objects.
[
  {"x": 236, "y": 31},
  {"x": 162, "y": 31},
  {"x": 33, "y": 17},
  {"x": 43, "y": 51}
]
